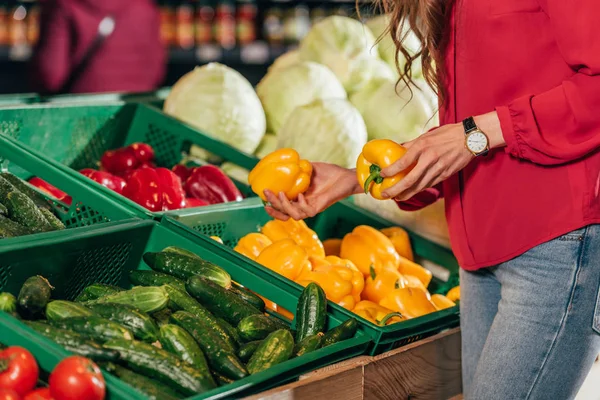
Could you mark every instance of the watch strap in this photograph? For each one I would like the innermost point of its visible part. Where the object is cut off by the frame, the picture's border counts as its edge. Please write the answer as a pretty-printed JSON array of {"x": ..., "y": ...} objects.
[{"x": 469, "y": 125}]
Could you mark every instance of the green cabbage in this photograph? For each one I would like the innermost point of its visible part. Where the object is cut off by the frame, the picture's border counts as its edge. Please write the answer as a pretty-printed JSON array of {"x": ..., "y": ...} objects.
[
  {"x": 220, "y": 102},
  {"x": 285, "y": 60},
  {"x": 266, "y": 146},
  {"x": 282, "y": 90},
  {"x": 368, "y": 69},
  {"x": 338, "y": 42},
  {"x": 329, "y": 130}
]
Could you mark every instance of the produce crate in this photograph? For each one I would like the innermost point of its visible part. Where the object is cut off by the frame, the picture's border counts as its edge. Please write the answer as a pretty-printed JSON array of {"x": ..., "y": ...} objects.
[
  {"x": 18, "y": 99},
  {"x": 231, "y": 222},
  {"x": 78, "y": 135},
  {"x": 108, "y": 252},
  {"x": 155, "y": 97}
]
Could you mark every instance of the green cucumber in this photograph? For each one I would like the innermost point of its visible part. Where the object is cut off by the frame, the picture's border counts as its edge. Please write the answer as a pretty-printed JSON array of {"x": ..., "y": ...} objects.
[
  {"x": 231, "y": 331},
  {"x": 258, "y": 327},
  {"x": 34, "y": 296},
  {"x": 181, "y": 300},
  {"x": 61, "y": 309},
  {"x": 153, "y": 278},
  {"x": 25, "y": 188},
  {"x": 310, "y": 343},
  {"x": 23, "y": 210},
  {"x": 247, "y": 349},
  {"x": 9, "y": 228},
  {"x": 311, "y": 312},
  {"x": 3, "y": 210},
  {"x": 161, "y": 365},
  {"x": 8, "y": 303},
  {"x": 149, "y": 387},
  {"x": 97, "y": 290},
  {"x": 74, "y": 342},
  {"x": 97, "y": 328},
  {"x": 162, "y": 317},
  {"x": 222, "y": 380},
  {"x": 5, "y": 188},
  {"x": 179, "y": 250},
  {"x": 147, "y": 299},
  {"x": 341, "y": 332},
  {"x": 52, "y": 219},
  {"x": 183, "y": 267},
  {"x": 275, "y": 349},
  {"x": 178, "y": 341},
  {"x": 220, "y": 301},
  {"x": 220, "y": 359},
  {"x": 248, "y": 296},
  {"x": 139, "y": 323}
]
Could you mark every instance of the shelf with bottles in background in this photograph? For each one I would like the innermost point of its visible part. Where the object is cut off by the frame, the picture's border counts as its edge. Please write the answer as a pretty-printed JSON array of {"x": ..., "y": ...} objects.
[{"x": 19, "y": 29}]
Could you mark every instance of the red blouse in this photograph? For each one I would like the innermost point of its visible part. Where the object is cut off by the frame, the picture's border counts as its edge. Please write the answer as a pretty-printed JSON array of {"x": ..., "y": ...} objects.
[{"x": 537, "y": 63}]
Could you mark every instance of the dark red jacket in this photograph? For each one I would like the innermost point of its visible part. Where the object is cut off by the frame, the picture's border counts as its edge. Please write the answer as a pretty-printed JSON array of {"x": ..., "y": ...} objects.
[
  {"x": 131, "y": 59},
  {"x": 537, "y": 62}
]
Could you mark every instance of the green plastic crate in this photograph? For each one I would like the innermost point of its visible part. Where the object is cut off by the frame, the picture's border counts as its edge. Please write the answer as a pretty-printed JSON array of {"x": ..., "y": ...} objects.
[
  {"x": 155, "y": 97},
  {"x": 231, "y": 222},
  {"x": 78, "y": 135},
  {"x": 107, "y": 253},
  {"x": 15, "y": 99}
]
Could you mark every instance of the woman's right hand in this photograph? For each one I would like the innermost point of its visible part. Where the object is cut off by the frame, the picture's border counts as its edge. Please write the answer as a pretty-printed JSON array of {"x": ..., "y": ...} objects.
[{"x": 329, "y": 184}]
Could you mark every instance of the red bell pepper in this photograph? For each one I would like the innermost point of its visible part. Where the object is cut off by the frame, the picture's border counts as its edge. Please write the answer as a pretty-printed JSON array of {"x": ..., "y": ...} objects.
[
  {"x": 143, "y": 152},
  {"x": 182, "y": 172},
  {"x": 190, "y": 202},
  {"x": 157, "y": 189},
  {"x": 211, "y": 184},
  {"x": 51, "y": 190},
  {"x": 105, "y": 179},
  {"x": 126, "y": 159}
]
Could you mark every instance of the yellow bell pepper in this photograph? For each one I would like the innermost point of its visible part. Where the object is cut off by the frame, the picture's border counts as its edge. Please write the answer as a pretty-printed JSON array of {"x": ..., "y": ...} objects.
[
  {"x": 377, "y": 155},
  {"x": 298, "y": 231},
  {"x": 252, "y": 245},
  {"x": 286, "y": 258},
  {"x": 377, "y": 314},
  {"x": 400, "y": 240},
  {"x": 332, "y": 247},
  {"x": 276, "y": 308},
  {"x": 381, "y": 282},
  {"x": 407, "y": 267},
  {"x": 281, "y": 171},
  {"x": 366, "y": 246},
  {"x": 217, "y": 239},
  {"x": 413, "y": 282},
  {"x": 441, "y": 302},
  {"x": 410, "y": 302},
  {"x": 454, "y": 294},
  {"x": 358, "y": 281}
]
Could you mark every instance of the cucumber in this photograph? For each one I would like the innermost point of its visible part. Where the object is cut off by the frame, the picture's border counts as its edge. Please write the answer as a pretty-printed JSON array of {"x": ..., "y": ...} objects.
[
  {"x": 341, "y": 332},
  {"x": 183, "y": 267},
  {"x": 96, "y": 291},
  {"x": 149, "y": 387},
  {"x": 311, "y": 312},
  {"x": 310, "y": 343},
  {"x": 222, "y": 380},
  {"x": 162, "y": 317},
  {"x": 34, "y": 296},
  {"x": 153, "y": 278},
  {"x": 247, "y": 349},
  {"x": 220, "y": 359},
  {"x": 179, "y": 250},
  {"x": 161, "y": 365},
  {"x": 248, "y": 296},
  {"x": 220, "y": 301},
  {"x": 181, "y": 300},
  {"x": 275, "y": 349},
  {"x": 52, "y": 219},
  {"x": 178, "y": 341},
  {"x": 8, "y": 303},
  {"x": 25, "y": 188},
  {"x": 96, "y": 328},
  {"x": 231, "y": 331},
  {"x": 258, "y": 327},
  {"x": 146, "y": 299},
  {"x": 74, "y": 342},
  {"x": 139, "y": 323},
  {"x": 5, "y": 188},
  {"x": 23, "y": 210},
  {"x": 3, "y": 210},
  {"x": 10, "y": 228},
  {"x": 61, "y": 309}
]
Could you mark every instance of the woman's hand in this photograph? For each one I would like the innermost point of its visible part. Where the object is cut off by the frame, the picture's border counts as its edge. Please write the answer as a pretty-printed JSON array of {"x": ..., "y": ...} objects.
[
  {"x": 329, "y": 183},
  {"x": 437, "y": 155}
]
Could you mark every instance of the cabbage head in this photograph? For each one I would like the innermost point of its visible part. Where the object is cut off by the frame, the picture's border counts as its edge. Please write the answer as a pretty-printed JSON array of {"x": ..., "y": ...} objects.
[
  {"x": 282, "y": 90},
  {"x": 389, "y": 114},
  {"x": 368, "y": 69},
  {"x": 329, "y": 130},
  {"x": 338, "y": 42},
  {"x": 285, "y": 60},
  {"x": 220, "y": 102},
  {"x": 267, "y": 145}
]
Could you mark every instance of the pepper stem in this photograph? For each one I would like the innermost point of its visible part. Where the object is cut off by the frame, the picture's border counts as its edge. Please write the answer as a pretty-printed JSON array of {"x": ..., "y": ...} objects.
[
  {"x": 374, "y": 176},
  {"x": 4, "y": 363},
  {"x": 385, "y": 319},
  {"x": 372, "y": 272}
]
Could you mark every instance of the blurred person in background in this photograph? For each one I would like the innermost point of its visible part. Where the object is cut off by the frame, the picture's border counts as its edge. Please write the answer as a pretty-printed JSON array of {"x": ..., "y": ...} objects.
[{"x": 91, "y": 46}]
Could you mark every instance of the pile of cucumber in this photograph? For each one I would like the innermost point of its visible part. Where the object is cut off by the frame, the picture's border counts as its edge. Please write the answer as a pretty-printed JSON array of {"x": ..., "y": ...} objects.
[
  {"x": 23, "y": 211},
  {"x": 184, "y": 328}
]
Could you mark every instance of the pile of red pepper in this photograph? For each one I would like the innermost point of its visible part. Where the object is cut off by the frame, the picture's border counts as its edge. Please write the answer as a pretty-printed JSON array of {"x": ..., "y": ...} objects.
[{"x": 131, "y": 171}]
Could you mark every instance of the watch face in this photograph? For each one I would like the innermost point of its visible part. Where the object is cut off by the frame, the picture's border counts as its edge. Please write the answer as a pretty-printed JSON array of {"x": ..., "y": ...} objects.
[{"x": 477, "y": 142}]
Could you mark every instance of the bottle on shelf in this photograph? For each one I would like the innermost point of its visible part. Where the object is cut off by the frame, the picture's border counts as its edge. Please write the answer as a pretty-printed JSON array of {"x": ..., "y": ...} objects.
[
  {"x": 184, "y": 26},
  {"x": 296, "y": 24},
  {"x": 224, "y": 24},
  {"x": 205, "y": 14},
  {"x": 167, "y": 24},
  {"x": 273, "y": 26},
  {"x": 246, "y": 14}
]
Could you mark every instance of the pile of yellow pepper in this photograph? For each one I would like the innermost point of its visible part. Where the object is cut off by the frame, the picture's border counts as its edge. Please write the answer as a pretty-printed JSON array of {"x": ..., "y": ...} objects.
[{"x": 370, "y": 272}]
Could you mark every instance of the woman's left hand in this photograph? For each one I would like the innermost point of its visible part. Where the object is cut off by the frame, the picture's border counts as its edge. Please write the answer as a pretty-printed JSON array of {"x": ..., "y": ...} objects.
[{"x": 437, "y": 155}]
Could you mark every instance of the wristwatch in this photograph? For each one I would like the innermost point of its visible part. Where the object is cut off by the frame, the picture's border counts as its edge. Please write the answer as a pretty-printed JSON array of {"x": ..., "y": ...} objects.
[{"x": 476, "y": 141}]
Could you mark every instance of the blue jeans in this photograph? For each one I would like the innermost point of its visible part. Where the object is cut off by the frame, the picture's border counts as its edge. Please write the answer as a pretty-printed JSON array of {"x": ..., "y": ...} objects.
[{"x": 531, "y": 326}]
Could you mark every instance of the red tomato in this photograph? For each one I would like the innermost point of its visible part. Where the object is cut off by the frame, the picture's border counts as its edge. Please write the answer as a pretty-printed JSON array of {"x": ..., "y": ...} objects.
[
  {"x": 39, "y": 394},
  {"x": 19, "y": 370},
  {"x": 8, "y": 394},
  {"x": 77, "y": 378}
]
